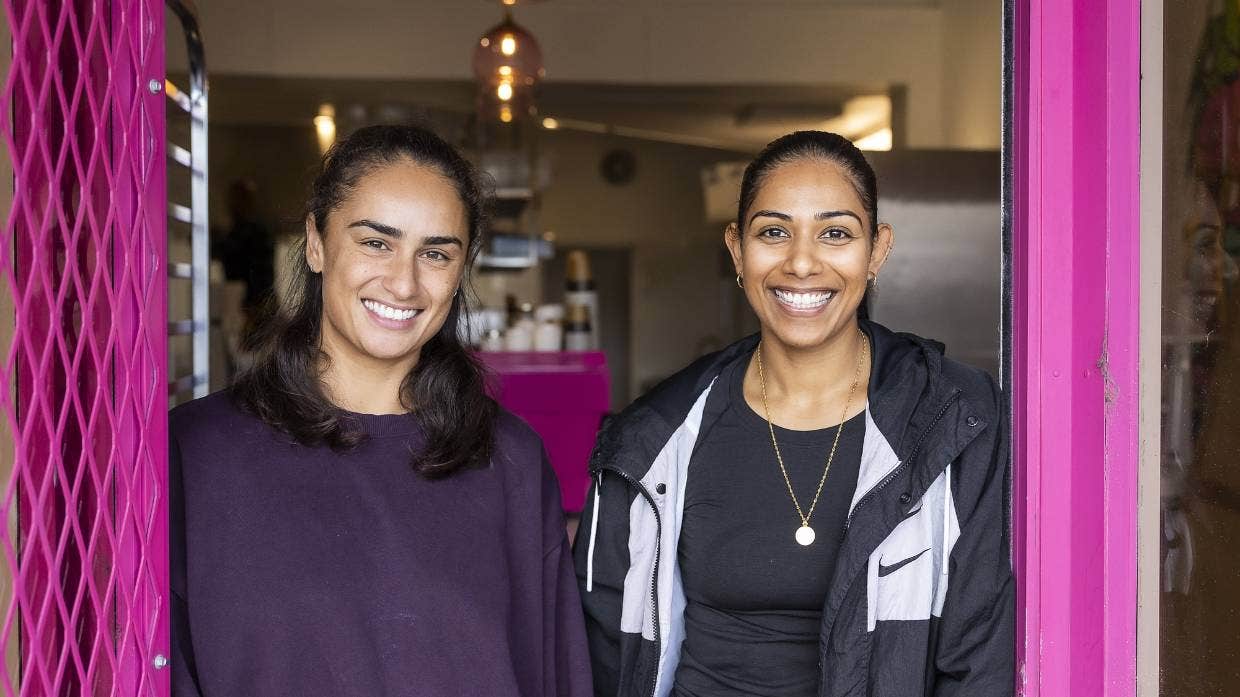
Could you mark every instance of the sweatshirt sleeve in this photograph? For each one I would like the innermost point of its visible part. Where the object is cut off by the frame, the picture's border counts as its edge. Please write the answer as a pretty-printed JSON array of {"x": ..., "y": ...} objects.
[
  {"x": 975, "y": 652},
  {"x": 184, "y": 668},
  {"x": 566, "y": 669}
]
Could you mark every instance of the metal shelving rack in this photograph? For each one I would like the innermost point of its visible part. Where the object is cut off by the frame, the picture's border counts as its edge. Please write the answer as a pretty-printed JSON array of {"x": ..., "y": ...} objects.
[{"x": 193, "y": 162}]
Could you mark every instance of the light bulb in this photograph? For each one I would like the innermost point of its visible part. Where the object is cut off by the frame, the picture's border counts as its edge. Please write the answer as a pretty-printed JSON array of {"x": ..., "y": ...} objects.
[{"x": 325, "y": 128}]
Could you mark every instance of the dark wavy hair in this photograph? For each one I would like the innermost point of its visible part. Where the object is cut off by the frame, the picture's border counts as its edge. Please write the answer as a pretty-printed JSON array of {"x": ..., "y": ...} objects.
[
  {"x": 446, "y": 390},
  {"x": 817, "y": 145}
]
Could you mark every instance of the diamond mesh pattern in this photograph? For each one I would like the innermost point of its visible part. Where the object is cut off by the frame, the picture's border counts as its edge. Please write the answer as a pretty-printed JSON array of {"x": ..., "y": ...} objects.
[{"x": 83, "y": 574}]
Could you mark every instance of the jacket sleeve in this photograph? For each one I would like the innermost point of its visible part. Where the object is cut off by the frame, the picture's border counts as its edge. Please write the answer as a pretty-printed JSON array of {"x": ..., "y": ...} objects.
[
  {"x": 566, "y": 665},
  {"x": 975, "y": 650},
  {"x": 184, "y": 669},
  {"x": 601, "y": 553}
]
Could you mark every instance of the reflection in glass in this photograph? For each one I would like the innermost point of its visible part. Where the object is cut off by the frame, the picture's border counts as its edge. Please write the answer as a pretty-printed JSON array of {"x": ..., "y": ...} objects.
[{"x": 1200, "y": 494}]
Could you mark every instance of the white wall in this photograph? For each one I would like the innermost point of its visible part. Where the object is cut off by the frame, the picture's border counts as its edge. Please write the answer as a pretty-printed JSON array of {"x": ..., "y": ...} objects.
[
  {"x": 646, "y": 42},
  {"x": 973, "y": 64}
]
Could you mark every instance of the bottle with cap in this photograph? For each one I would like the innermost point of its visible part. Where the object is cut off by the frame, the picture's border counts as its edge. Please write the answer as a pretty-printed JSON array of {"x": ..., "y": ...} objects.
[
  {"x": 580, "y": 292},
  {"x": 550, "y": 333},
  {"x": 520, "y": 336},
  {"x": 577, "y": 335},
  {"x": 492, "y": 340}
]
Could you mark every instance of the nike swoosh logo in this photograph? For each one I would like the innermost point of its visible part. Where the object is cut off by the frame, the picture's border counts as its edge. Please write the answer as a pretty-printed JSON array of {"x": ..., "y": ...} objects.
[
  {"x": 884, "y": 570},
  {"x": 911, "y": 513}
]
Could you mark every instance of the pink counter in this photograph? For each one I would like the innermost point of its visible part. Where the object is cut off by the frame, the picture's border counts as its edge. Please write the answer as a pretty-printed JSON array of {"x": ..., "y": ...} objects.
[{"x": 563, "y": 396}]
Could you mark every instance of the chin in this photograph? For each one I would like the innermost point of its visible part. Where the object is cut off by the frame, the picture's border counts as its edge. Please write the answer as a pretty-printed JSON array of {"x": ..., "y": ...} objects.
[
  {"x": 800, "y": 337},
  {"x": 387, "y": 350}
]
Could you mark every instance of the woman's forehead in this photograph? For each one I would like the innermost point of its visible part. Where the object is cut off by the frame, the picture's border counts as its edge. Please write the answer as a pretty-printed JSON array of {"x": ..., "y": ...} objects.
[{"x": 808, "y": 184}]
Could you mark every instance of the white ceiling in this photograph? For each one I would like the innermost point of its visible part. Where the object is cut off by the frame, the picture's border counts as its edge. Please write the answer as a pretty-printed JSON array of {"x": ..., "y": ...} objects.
[{"x": 942, "y": 55}]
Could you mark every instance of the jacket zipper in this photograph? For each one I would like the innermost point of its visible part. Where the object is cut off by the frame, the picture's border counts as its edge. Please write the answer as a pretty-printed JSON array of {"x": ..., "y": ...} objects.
[
  {"x": 907, "y": 461},
  {"x": 654, "y": 576}
]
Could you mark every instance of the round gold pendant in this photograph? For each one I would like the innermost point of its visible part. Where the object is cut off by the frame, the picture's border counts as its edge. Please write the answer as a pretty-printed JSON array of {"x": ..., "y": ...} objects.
[{"x": 805, "y": 536}]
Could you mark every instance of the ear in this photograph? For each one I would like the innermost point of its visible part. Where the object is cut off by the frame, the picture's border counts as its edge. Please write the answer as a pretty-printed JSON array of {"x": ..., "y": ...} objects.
[
  {"x": 314, "y": 246},
  {"x": 732, "y": 238},
  {"x": 883, "y": 244}
]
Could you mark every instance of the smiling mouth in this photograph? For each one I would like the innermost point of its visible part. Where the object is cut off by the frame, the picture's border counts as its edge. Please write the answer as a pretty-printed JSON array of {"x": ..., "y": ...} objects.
[
  {"x": 389, "y": 312},
  {"x": 804, "y": 300}
]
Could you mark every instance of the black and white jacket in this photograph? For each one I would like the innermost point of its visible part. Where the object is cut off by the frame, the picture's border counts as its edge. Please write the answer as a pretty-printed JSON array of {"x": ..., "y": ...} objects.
[{"x": 922, "y": 598}]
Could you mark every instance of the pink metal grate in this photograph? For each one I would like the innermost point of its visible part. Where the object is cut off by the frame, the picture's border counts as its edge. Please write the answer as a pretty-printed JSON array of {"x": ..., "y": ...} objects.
[{"x": 83, "y": 534}]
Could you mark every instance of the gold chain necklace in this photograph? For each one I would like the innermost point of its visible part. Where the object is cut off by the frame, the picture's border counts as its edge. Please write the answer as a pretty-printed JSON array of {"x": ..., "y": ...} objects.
[{"x": 805, "y": 534}]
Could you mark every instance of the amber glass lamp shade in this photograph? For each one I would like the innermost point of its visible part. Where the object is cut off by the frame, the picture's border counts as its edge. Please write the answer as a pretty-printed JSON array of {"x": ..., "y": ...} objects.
[{"x": 508, "y": 59}]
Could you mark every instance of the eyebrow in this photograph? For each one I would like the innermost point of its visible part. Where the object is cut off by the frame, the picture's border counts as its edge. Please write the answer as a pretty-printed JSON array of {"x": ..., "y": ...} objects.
[
  {"x": 442, "y": 239},
  {"x": 770, "y": 214},
  {"x": 396, "y": 233},
  {"x": 824, "y": 215},
  {"x": 379, "y": 227}
]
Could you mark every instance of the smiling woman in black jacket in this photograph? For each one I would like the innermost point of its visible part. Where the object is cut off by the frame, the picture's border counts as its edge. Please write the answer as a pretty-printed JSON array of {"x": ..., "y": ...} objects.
[{"x": 820, "y": 509}]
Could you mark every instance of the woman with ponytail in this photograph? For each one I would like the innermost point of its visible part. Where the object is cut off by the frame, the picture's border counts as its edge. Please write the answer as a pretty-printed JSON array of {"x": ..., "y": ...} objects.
[
  {"x": 355, "y": 515},
  {"x": 818, "y": 510}
]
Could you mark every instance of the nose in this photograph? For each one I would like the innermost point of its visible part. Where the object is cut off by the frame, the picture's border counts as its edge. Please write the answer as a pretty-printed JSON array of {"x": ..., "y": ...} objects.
[
  {"x": 802, "y": 261},
  {"x": 401, "y": 278}
]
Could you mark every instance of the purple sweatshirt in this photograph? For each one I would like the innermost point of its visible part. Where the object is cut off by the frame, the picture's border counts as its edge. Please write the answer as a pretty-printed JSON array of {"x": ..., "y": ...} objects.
[{"x": 302, "y": 571}]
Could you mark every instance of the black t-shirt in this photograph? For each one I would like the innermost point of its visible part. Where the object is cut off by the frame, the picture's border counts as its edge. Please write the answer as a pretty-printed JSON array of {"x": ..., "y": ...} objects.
[{"x": 754, "y": 595}]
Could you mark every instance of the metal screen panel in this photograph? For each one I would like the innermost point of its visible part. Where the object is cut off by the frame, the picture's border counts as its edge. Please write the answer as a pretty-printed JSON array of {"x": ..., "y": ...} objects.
[{"x": 84, "y": 387}]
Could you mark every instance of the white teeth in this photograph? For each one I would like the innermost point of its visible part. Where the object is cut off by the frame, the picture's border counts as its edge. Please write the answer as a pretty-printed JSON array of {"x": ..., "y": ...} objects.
[
  {"x": 804, "y": 300},
  {"x": 388, "y": 312}
]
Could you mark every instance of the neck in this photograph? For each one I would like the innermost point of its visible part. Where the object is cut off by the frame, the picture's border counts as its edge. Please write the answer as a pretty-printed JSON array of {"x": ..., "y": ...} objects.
[
  {"x": 807, "y": 388},
  {"x": 361, "y": 384},
  {"x": 824, "y": 368}
]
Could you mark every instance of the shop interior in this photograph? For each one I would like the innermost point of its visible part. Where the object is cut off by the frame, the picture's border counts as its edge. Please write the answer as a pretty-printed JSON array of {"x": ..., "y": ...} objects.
[{"x": 615, "y": 134}]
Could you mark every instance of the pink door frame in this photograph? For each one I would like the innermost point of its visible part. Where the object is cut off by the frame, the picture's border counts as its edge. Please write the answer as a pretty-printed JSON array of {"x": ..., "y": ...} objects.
[{"x": 1075, "y": 279}]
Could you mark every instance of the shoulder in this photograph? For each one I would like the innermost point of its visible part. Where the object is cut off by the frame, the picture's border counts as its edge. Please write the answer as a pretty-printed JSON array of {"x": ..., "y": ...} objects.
[
  {"x": 672, "y": 398},
  {"x": 521, "y": 460},
  {"x": 212, "y": 408},
  {"x": 214, "y": 417},
  {"x": 977, "y": 386},
  {"x": 516, "y": 442},
  {"x": 898, "y": 351},
  {"x": 513, "y": 432}
]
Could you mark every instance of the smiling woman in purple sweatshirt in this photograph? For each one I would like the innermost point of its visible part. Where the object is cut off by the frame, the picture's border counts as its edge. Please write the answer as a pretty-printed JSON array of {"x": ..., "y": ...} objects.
[{"x": 355, "y": 516}]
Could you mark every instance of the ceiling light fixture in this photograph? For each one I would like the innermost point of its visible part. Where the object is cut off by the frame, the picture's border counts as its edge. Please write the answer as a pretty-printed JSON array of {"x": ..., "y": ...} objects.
[
  {"x": 508, "y": 64},
  {"x": 325, "y": 127}
]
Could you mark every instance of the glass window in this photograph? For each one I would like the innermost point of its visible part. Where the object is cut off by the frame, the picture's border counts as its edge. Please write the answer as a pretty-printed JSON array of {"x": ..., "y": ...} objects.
[{"x": 1200, "y": 494}]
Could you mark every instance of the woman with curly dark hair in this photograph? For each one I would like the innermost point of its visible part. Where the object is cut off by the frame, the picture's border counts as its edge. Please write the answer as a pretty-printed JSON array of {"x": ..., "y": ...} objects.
[{"x": 355, "y": 516}]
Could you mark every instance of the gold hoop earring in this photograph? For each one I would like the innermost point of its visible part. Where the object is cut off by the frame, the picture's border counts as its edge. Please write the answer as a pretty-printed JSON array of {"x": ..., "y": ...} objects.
[{"x": 740, "y": 282}]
